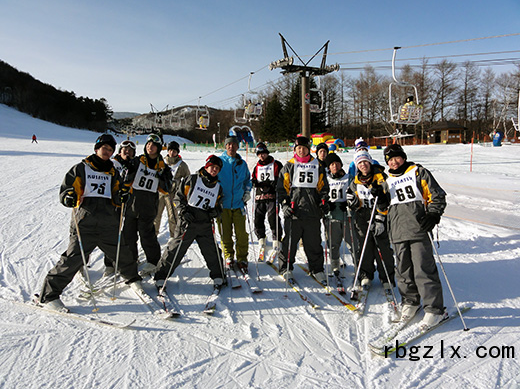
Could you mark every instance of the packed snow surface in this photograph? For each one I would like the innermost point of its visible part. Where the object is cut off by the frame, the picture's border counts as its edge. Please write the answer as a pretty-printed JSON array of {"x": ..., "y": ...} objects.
[{"x": 267, "y": 340}]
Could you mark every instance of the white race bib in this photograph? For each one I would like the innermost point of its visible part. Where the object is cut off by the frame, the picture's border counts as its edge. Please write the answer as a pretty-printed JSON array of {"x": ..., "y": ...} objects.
[
  {"x": 338, "y": 188},
  {"x": 265, "y": 172},
  {"x": 146, "y": 179},
  {"x": 118, "y": 166},
  {"x": 203, "y": 197},
  {"x": 306, "y": 175},
  {"x": 97, "y": 184},
  {"x": 174, "y": 168},
  {"x": 365, "y": 196},
  {"x": 403, "y": 189}
]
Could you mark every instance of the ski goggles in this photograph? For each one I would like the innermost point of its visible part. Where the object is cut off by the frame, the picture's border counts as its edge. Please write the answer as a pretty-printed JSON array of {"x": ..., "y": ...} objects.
[
  {"x": 154, "y": 138},
  {"x": 128, "y": 144}
]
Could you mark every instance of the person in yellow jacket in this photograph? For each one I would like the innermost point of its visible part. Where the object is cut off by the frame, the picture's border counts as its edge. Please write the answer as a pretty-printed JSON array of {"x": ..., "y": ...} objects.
[
  {"x": 148, "y": 177},
  {"x": 92, "y": 188}
]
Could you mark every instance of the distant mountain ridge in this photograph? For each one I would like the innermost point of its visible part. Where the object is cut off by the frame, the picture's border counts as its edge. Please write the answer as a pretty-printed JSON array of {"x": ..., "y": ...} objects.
[{"x": 123, "y": 114}]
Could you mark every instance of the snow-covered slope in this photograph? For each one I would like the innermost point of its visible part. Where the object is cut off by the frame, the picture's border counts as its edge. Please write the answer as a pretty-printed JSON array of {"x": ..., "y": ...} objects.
[{"x": 269, "y": 340}]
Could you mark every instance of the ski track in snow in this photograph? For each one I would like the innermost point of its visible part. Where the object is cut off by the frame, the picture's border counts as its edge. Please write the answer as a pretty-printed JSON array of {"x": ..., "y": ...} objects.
[{"x": 253, "y": 340}]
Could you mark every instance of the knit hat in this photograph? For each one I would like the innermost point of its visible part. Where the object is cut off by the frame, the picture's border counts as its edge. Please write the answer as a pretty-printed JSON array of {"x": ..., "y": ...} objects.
[
  {"x": 105, "y": 139},
  {"x": 331, "y": 158},
  {"x": 394, "y": 150},
  {"x": 261, "y": 148},
  {"x": 322, "y": 145},
  {"x": 362, "y": 155},
  {"x": 213, "y": 160},
  {"x": 230, "y": 139},
  {"x": 302, "y": 141},
  {"x": 360, "y": 143},
  {"x": 173, "y": 145}
]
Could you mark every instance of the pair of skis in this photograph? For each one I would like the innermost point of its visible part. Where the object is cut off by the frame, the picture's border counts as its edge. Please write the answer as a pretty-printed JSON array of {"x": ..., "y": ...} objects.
[
  {"x": 235, "y": 273},
  {"x": 340, "y": 289},
  {"x": 94, "y": 318},
  {"x": 401, "y": 334}
]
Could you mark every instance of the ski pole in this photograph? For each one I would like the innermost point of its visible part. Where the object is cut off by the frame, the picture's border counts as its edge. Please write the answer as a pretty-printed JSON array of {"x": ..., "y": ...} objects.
[
  {"x": 328, "y": 260},
  {"x": 253, "y": 246},
  {"x": 447, "y": 281},
  {"x": 120, "y": 230},
  {"x": 221, "y": 266},
  {"x": 353, "y": 295},
  {"x": 220, "y": 229},
  {"x": 289, "y": 249},
  {"x": 162, "y": 289},
  {"x": 343, "y": 246},
  {"x": 353, "y": 251},
  {"x": 396, "y": 305},
  {"x": 84, "y": 260},
  {"x": 276, "y": 255}
]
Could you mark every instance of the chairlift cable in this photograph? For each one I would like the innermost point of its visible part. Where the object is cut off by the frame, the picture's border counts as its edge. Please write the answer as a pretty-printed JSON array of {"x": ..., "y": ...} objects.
[{"x": 354, "y": 52}]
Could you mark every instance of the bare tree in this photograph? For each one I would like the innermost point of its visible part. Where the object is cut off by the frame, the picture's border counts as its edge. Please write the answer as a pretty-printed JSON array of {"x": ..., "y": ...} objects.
[
  {"x": 445, "y": 78},
  {"x": 467, "y": 93}
]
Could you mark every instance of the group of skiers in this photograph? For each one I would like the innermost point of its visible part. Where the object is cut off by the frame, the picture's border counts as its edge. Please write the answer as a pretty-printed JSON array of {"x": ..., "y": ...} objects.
[{"x": 116, "y": 200}]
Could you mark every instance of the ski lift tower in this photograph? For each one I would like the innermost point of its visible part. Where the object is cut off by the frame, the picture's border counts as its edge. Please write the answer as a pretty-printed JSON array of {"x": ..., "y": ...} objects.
[{"x": 305, "y": 71}]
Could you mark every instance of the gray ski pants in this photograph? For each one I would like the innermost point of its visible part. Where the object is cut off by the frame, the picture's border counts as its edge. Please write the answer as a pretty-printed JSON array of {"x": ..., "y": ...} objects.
[
  {"x": 309, "y": 230},
  {"x": 341, "y": 231},
  {"x": 95, "y": 232},
  {"x": 185, "y": 235},
  {"x": 417, "y": 275}
]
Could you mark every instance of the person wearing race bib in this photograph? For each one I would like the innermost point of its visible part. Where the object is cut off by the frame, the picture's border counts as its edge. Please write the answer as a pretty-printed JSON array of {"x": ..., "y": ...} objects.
[
  {"x": 123, "y": 160},
  {"x": 179, "y": 170},
  {"x": 92, "y": 189},
  {"x": 362, "y": 201},
  {"x": 415, "y": 203},
  {"x": 338, "y": 222},
  {"x": 360, "y": 144},
  {"x": 264, "y": 180},
  {"x": 122, "y": 163},
  {"x": 199, "y": 200},
  {"x": 303, "y": 190},
  {"x": 234, "y": 178},
  {"x": 148, "y": 177}
]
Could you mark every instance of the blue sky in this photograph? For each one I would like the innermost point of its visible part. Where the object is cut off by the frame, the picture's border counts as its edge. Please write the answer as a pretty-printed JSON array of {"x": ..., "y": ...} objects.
[{"x": 134, "y": 53}]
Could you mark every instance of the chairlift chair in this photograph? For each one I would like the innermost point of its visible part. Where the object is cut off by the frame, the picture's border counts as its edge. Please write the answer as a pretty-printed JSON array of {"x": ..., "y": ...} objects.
[
  {"x": 253, "y": 108},
  {"x": 405, "y": 114},
  {"x": 202, "y": 118}
]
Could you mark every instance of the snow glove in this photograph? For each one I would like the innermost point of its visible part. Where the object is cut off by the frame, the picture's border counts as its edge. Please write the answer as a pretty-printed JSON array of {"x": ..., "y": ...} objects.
[
  {"x": 287, "y": 208},
  {"x": 188, "y": 217},
  {"x": 70, "y": 199},
  {"x": 378, "y": 226},
  {"x": 124, "y": 195},
  {"x": 325, "y": 206},
  {"x": 378, "y": 193},
  {"x": 351, "y": 199},
  {"x": 246, "y": 197},
  {"x": 429, "y": 221}
]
